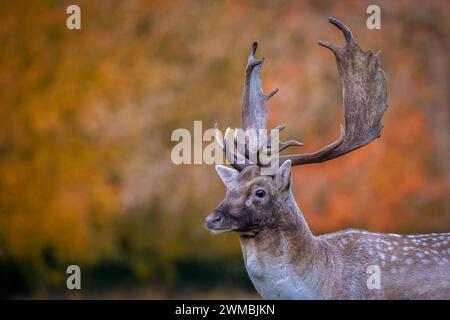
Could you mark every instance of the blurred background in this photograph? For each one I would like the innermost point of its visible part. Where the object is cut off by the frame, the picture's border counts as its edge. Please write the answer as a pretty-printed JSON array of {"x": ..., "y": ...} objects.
[{"x": 86, "y": 118}]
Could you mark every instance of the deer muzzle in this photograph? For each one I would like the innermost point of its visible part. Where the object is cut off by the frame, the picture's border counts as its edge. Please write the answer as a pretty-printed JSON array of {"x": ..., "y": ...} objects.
[{"x": 216, "y": 222}]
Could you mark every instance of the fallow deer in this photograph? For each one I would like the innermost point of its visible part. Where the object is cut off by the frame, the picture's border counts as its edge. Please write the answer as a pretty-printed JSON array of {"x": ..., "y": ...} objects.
[{"x": 282, "y": 256}]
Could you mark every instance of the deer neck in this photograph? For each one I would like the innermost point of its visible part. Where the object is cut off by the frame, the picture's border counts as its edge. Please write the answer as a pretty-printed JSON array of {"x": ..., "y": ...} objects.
[{"x": 283, "y": 262}]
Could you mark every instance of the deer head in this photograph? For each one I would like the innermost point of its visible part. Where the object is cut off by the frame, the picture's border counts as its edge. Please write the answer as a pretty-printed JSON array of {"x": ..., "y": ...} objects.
[
  {"x": 253, "y": 201},
  {"x": 252, "y": 198}
]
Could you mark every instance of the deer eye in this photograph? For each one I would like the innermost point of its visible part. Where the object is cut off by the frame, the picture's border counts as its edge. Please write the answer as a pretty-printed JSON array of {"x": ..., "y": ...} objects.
[{"x": 260, "y": 193}]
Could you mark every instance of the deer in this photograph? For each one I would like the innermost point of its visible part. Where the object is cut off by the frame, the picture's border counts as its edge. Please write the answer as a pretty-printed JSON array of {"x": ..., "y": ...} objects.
[{"x": 282, "y": 256}]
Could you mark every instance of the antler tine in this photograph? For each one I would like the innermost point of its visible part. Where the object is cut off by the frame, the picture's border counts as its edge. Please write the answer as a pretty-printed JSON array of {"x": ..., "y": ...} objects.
[
  {"x": 365, "y": 99},
  {"x": 281, "y": 145},
  {"x": 289, "y": 143},
  {"x": 272, "y": 93},
  {"x": 233, "y": 156},
  {"x": 345, "y": 30},
  {"x": 349, "y": 41}
]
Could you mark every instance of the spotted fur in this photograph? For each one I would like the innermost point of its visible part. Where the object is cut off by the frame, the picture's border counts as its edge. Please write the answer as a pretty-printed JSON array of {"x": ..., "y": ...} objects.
[{"x": 286, "y": 261}]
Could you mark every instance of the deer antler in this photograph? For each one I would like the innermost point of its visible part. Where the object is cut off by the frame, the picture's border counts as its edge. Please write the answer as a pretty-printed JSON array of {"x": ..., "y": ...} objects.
[
  {"x": 254, "y": 101},
  {"x": 365, "y": 100},
  {"x": 254, "y": 117}
]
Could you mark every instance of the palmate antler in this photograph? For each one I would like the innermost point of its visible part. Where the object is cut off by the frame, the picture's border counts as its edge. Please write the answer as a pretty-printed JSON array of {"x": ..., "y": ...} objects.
[
  {"x": 254, "y": 117},
  {"x": 365, "y": 100}
]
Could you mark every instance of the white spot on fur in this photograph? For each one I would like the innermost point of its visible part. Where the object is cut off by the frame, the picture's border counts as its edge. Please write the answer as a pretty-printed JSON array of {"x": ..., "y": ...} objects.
[{"x": 395, "y": 235}]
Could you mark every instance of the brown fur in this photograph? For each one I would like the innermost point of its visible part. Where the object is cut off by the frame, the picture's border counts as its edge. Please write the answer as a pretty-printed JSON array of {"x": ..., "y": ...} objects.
[{"x": 286, "y": 261}]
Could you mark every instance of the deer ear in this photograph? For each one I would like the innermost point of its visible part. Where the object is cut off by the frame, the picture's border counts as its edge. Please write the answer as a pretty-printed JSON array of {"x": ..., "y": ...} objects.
[
  {"x": 226, "y": 174},
  {"x": 283, "y": 176}
]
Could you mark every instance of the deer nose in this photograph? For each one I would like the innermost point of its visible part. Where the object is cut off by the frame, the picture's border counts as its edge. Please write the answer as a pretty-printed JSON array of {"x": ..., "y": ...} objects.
[{"x": 212, "y": 220}]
